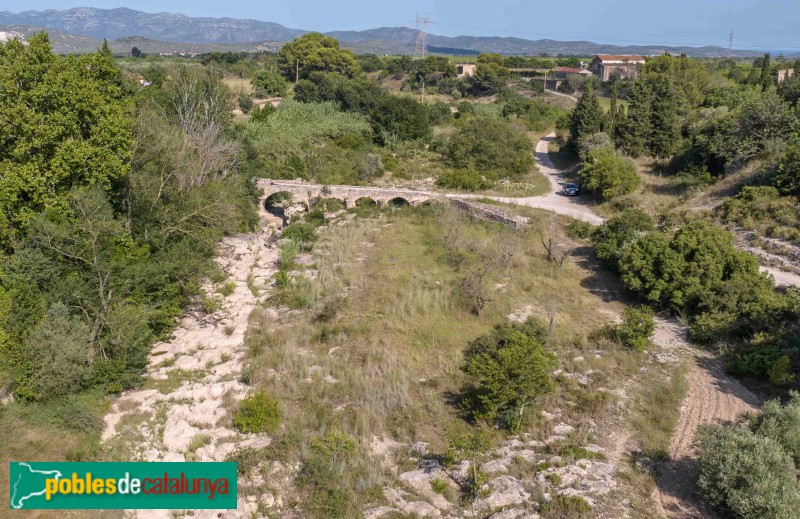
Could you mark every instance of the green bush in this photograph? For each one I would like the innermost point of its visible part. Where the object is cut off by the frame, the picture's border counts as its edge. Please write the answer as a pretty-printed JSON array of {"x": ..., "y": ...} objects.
[
  {"x": 57, "y": 351},
  {"x": 782, "y": 424},
  {"x": 636, "y": 328},
  {"x": 754, "y": 362},
  {"x": 780, "y": 373},
  {"x": 608, "y": 174},
  {"x": 749, "y": 475},
  {"x": 613, "y": 237},
  {"x": 467, "y": 179},
  {"x": 490, "y": 145},
  {"x": 301, "y": 232},
  {"x": 258, "y": 413},
  {"x": 511, "y": 367},
  {"x": 328, "y": 475},
  {"x": 268, "y": 83},
  {"x": 245, "y": 103},
  {"x": 439, "y": 486}
]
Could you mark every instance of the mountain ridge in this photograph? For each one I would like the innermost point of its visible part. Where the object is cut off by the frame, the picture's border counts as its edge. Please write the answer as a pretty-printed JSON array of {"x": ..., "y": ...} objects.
[{"x": 177, "y": 28}]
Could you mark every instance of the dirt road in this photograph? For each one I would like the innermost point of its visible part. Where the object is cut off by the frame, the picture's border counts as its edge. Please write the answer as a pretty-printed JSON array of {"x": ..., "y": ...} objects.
[
  {"x": 574, "y": 207},
  {"x": 712, "y": 398},
  {"x": 577, "y": 207}
]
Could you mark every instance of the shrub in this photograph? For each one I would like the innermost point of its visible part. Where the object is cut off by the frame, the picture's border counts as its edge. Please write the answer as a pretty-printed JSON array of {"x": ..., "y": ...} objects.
[
  {"x": 268, "y": 83},
  {"x": 326, "y": 475},
  {"x": 749, "y": 475},
  {"x": 490, "y": 145},
  {"x": 300, "y": 232},
  {"x": 754, "y": 362},
  {"x": 592, "y": 142},
  {"x": 245, "y": 103},
  {"x": 580, "y": 229},
  {"x": 258, "y": 413},
  {"x": 467, "y": 179},
  {"x": 617, "y": 233},
  {"x": 608, "y": 174},
  {"x": 511, "y": 368},
  {"x": 566, "y": 507},
  {"x": 58, "y": 350},
  {"x": 695, "y": 177},
  {"x": 782, "y": 424},
  {"x": 780, "y": 373},
  {"x": 439, "y": 486},
  {"x": 636, "y": 328}
]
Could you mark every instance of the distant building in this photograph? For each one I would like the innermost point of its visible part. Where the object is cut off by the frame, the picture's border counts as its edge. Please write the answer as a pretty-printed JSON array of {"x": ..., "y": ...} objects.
[
  {"x": 784, "y": 74},
  {"x": 604, "y": 65},
  {"x": 143, "y": 82},
  {"x": 563, "y": 72},
  {"x": 465, "y": 69}
]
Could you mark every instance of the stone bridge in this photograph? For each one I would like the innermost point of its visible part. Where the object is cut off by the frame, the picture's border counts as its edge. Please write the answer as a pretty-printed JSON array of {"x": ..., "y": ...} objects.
[
  {"x": 350, "y": 195},
  {"x": 305, "y": 192}
]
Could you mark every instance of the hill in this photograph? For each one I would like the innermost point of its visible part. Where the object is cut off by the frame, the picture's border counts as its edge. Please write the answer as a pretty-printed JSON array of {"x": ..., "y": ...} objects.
[{"x": 113, "y": 24}]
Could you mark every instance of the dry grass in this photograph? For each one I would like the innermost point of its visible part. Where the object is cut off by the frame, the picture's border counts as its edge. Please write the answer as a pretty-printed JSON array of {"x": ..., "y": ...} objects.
[{"x": 238, "y": 86}]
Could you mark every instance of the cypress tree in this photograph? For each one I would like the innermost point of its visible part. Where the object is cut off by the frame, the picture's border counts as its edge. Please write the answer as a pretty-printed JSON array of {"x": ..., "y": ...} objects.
[
  {"x": 611, "y": 118},
  {"x": 766, "y": 72},
  {"x": 664, "y": 122},
  {"x": 634, "y": 131},
  {"x": 587, "y": 116}
]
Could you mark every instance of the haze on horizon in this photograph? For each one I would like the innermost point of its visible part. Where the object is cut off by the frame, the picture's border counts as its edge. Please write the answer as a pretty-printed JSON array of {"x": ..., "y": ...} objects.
[{"x": 756, "y": 24}]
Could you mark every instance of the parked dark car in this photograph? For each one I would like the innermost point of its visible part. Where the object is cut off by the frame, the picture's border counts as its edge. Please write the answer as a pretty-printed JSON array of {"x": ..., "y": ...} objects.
[{"x": 571, "y": 189}]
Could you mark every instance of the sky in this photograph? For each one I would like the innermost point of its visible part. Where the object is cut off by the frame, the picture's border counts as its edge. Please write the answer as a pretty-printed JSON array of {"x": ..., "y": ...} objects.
[{"x": 756, "y": 24}]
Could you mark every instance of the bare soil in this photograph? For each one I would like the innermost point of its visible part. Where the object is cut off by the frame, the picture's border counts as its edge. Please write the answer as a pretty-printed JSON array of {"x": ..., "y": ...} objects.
[{"x": 712, "y": 398}]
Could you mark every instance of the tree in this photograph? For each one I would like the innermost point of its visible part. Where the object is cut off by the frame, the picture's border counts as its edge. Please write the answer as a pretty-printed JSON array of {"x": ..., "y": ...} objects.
[
  {"x": 136, "y": 53},
  {"x": 89, "y": 240},
  {"x": 766, "y": 72},
  {"x": 633, "y": 131},
  {"x": 490, "y": 75},
  {"x": 664, "y": 121},
  {"x": 511, "y": 367},
  {"x": 66, "y": 125},
  {"x": 313, "y": 52},
  {"x": 595, "y": 141},
  {"x": 269, "y": 83},
  {"x": 786, "y": 176},
  {"x": 491, "y": 146},
  {"x": 608, "y": 174},
  {"x": 587, "y": 116}
]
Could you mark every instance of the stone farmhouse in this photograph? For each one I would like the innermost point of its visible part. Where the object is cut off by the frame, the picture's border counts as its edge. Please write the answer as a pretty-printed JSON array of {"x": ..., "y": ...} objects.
[{"x": 604, "y": 65}]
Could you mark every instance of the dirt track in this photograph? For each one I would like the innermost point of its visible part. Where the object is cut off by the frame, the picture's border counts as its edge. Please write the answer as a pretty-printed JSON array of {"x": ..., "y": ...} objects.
[
  {"x": 574, "y": 207},
  {"x": 712, "y": 398}
]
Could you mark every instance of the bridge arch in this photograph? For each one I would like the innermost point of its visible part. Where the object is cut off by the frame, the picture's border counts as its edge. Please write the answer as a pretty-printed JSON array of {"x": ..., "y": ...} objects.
[
  {"x": 398, "y": 201},
  {"x": 365, "y": 201}
]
